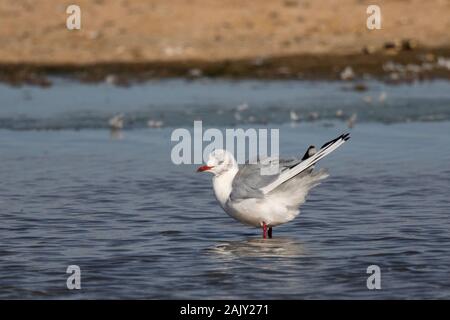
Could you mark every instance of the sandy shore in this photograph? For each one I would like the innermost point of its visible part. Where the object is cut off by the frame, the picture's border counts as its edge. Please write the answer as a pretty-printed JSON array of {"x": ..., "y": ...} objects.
[{"x": 284, "y": 38}]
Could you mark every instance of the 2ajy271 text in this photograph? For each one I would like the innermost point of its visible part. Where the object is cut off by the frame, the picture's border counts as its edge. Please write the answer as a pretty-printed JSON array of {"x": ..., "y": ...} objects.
[{"x": 228, "y": 309}]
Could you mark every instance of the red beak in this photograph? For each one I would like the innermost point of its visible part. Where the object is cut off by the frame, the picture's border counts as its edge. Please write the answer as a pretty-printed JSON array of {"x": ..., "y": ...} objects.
[{"x": 204, "y": 168}]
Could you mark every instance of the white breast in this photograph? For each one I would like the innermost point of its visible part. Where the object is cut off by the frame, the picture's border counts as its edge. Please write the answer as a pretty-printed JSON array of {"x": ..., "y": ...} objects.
[{"x": 222, "y": 186}]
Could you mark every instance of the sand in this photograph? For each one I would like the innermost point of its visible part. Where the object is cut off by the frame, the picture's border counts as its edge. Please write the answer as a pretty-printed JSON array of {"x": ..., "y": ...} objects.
[{"x": 181, "y": 35}]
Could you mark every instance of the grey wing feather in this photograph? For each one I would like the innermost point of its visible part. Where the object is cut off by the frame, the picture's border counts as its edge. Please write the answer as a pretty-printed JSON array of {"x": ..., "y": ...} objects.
[
  {"x": 326, "y": 149},
  {"x": 250, "y": 183},
  {"x": 249, "y": 180}
]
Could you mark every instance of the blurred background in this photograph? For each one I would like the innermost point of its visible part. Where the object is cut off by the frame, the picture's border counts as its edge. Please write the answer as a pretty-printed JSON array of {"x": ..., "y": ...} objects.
[
  {"x": 86, "y": 118},
  {"x": 271, "y": 38}
]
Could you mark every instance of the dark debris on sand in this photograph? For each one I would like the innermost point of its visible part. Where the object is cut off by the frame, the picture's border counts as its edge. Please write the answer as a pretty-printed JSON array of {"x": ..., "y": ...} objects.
[{"x": 407, "y": 64}]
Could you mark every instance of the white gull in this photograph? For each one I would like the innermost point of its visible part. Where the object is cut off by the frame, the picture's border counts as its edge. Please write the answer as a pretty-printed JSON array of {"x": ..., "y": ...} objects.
[{"x": 266, "y": 200}]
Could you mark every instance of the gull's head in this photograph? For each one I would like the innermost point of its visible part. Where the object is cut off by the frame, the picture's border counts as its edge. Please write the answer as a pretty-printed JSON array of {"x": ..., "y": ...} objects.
[{"x": 219, "y": 161}]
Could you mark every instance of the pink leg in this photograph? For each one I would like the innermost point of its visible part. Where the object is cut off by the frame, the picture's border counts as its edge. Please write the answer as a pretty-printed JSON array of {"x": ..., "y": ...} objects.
[{"x": 264, "y": 230}]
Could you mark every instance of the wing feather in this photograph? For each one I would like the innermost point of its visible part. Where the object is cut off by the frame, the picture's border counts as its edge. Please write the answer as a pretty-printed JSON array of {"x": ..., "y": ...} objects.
[
  {"x": 326, "y": 149},
  {"x": 250, "y": 183}
]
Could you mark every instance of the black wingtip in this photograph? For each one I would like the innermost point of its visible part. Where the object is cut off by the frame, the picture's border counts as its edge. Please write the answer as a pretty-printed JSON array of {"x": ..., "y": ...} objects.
[
  {"x": 346, "y": 136},
  {"x": 307, "y": 153}
]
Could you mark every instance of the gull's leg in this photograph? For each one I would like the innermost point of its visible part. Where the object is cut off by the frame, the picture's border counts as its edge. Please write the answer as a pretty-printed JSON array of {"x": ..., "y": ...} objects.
[
  {"x": 269, "y": 233},
  {"x": 264, "y": 230}
]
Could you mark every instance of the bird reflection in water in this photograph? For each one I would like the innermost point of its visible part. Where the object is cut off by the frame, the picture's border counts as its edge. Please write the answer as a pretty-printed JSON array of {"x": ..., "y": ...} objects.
[
  {"x": 256, "y": 247},
  {"x": 116, "y": 134}
]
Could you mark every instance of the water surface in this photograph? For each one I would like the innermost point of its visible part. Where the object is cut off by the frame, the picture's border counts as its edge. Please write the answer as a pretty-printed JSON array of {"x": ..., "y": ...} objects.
[{"x": 141, "y": 227}]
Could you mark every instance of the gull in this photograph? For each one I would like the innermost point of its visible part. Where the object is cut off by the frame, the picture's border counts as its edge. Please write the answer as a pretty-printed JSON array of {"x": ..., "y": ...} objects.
[
  {"x": 382, "y": 97},
  {"x": 347, "y": 74},
  {"x": 242, "y": 107},
  {"x": 116, "y": 122},
  {"x": 256, "y": 195},
  {"x": 352, "y": 121},
  {"x": 294, "y": 116},
  {"x": 155, "y": 123}
]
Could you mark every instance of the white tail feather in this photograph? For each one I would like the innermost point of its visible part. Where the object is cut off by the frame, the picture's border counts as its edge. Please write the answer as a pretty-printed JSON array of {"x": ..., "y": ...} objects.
[{"x": 288, "y": 174}]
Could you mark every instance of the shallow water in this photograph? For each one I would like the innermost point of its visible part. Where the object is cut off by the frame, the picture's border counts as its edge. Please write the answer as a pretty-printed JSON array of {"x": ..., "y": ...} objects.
[
  {"x": 140, "y": 227},
  {"x": 68, "y": 105}
]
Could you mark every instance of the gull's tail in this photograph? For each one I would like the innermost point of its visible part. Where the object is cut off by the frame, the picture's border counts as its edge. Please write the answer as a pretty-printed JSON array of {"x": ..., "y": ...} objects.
[{"x": 326, "y": 149}]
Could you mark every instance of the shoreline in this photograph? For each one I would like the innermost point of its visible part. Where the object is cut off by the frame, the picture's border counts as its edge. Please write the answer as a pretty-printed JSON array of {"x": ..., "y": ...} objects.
[{"x": 392, "y": 65}]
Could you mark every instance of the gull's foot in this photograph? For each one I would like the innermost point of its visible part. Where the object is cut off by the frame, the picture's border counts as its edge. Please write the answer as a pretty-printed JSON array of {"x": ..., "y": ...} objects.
[
  {"x": 264, "y": 230},
  {"x": 267, "y": 231}
]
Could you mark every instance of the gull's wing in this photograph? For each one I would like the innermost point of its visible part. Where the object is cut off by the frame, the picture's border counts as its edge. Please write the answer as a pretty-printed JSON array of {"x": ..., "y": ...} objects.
[
  {"x": 250, "y": 183},
  {"x": 326, "y": 149},
  {"x": 249, "y": 180}
]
